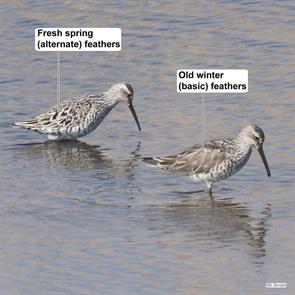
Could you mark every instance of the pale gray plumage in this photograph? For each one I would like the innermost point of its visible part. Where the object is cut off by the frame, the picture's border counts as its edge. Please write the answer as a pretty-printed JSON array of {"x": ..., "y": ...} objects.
[
  {"x": 215, "y": 160},
  {"x": 77, "y": 117}
]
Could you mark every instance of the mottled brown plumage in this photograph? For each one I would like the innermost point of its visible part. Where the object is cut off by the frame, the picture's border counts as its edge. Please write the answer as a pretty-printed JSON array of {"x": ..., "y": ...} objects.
[
  {"x": 215, "y": 160},
  {"x": 79, "y": 116}
]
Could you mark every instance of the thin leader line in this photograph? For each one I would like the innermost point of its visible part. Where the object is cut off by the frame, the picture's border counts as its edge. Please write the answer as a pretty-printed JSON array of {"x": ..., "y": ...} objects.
[
  {"x": 58, "y": 78},
  {"x": 203, "y": 119}
]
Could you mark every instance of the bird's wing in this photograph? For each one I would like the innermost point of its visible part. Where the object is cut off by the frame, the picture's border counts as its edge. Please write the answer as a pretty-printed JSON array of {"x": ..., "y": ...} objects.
[
  {"x": 68, "y": 114},
  {"x": 198, "y": 159}
]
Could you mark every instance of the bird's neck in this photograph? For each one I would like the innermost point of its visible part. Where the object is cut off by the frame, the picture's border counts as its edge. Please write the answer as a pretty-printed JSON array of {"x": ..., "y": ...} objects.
[
  {"x": 111, "y": 97},
  {"x": 243, "y": 147},
  {"x": 108, "y": 101},
  {"x": 242, "y": 153}
]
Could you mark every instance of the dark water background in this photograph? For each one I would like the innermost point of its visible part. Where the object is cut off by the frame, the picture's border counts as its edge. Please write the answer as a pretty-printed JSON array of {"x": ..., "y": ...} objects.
[{"x": 90, "y": 217}]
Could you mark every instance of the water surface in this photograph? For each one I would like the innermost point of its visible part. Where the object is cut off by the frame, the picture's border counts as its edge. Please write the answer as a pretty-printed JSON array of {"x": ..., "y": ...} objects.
[{"x": 90, "y": 217}]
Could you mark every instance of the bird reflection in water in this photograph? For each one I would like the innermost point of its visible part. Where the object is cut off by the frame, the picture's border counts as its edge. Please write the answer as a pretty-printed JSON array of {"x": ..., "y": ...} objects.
[
  {"x": 72, "y": 154},
  {"x": 201, "y": 220}
]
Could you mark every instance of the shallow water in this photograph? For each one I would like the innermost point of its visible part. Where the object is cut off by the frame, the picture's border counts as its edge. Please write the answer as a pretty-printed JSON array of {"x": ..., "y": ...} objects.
[{"x": 90, "y": 217}]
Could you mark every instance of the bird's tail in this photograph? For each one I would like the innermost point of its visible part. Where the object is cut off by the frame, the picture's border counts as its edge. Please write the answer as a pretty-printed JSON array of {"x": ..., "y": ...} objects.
[{"x": 28, "y": 124}]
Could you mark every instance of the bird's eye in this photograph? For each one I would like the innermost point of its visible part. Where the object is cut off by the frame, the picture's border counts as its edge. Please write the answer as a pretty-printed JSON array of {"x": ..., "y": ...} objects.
[
  {"x": 257, "y": 138},
  {"x": 129, "y": 95}
]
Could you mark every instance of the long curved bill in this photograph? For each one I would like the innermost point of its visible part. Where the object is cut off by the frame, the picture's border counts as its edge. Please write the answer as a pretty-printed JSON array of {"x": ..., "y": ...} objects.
[
  {"x": 262, "y": 155},
  {"x": 130, "y": 105}
]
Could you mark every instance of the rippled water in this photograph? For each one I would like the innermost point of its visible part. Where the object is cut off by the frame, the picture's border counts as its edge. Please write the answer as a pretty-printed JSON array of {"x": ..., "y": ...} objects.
[{"x": 90, "y": 217}]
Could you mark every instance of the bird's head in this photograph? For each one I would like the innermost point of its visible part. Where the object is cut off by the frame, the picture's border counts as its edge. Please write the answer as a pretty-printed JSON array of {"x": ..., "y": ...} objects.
[
  {"x": 123, "y": 92},
  {"x": 254, "y": 136}
]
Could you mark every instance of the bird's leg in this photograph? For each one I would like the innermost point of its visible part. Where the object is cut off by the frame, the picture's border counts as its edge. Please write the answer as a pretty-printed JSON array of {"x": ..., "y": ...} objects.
[
  {"x": 209, "y": 186},
  {"x": 210, "y": 193},
  {"x": 211, "y": 198}
]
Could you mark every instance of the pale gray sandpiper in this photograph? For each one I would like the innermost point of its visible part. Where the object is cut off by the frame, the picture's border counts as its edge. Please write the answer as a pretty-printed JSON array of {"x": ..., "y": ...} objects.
[
  {"x": 77, "y": 117},
  {"x": 216, "y": 160}
]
